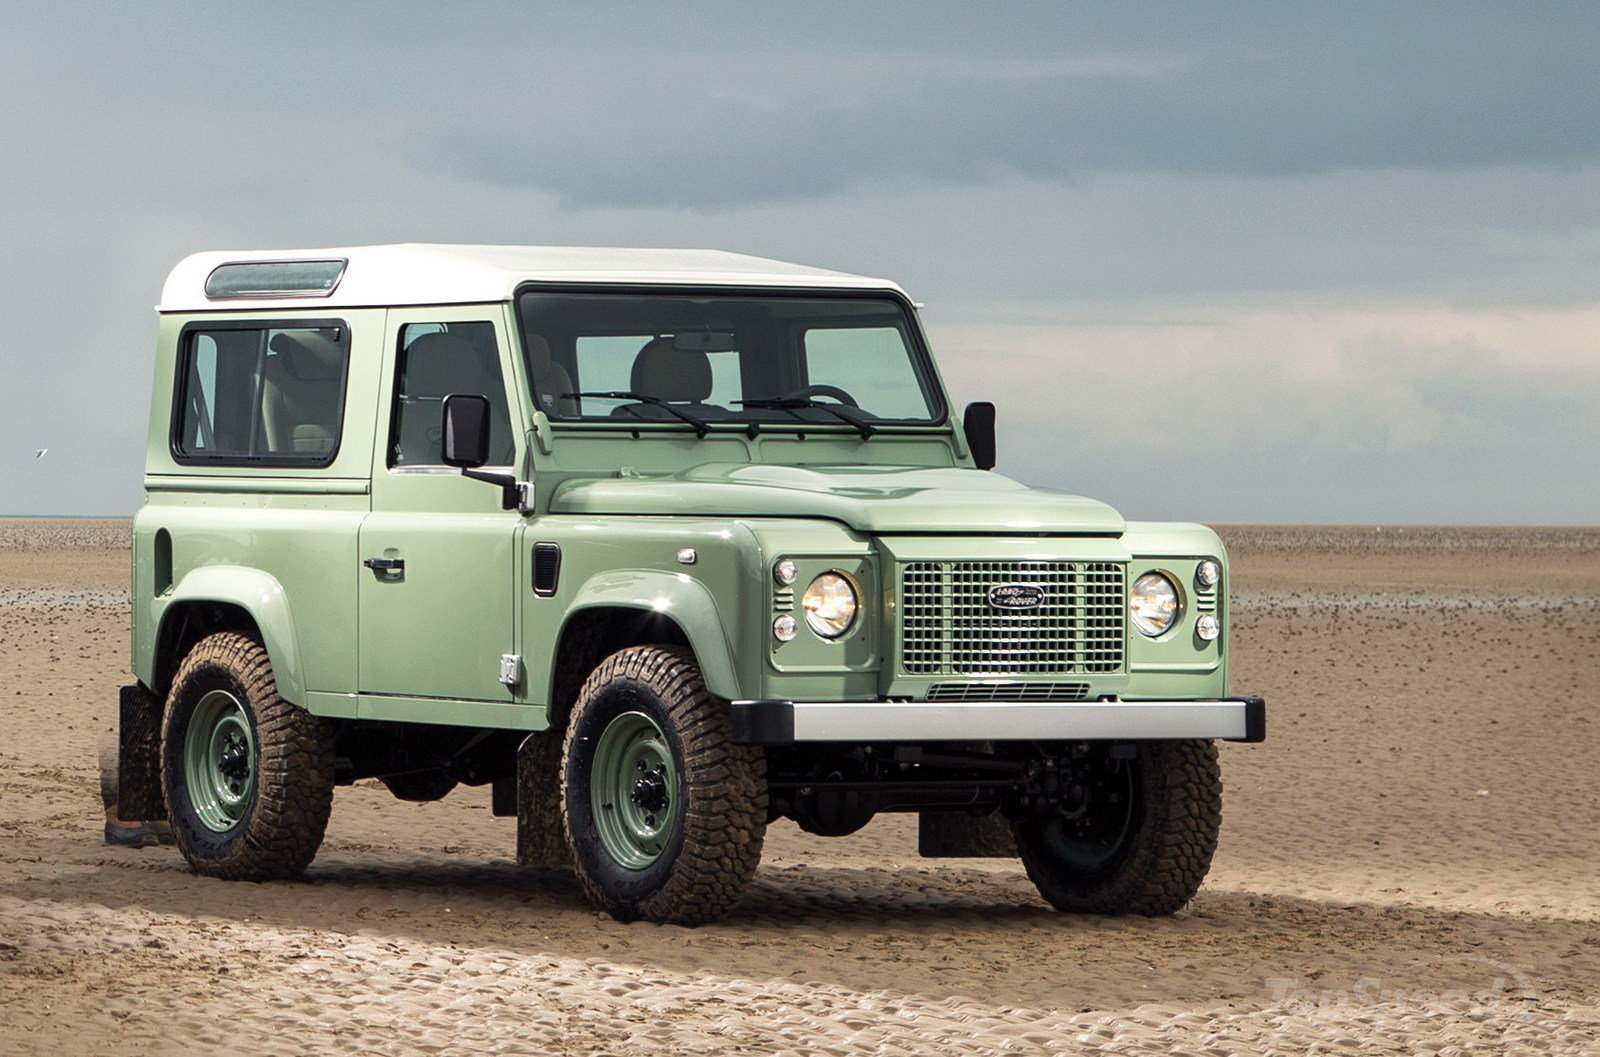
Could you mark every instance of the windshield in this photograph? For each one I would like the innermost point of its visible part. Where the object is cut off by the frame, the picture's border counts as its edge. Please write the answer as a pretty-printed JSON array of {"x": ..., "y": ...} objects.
[{"x": 705, "y": 360}]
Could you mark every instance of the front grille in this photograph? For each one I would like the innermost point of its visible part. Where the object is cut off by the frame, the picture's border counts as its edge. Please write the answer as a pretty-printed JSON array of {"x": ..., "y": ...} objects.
[
  {"x": 1008, "y": 692},
  {"x": 949, "y": 627}
]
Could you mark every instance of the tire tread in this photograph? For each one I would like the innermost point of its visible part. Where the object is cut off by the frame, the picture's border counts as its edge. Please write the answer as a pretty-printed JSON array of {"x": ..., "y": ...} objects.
[
  {"x": 294, "y": 769},
  {"x": 1182, "y": 790},
  {"x": 725, "y": 816}
]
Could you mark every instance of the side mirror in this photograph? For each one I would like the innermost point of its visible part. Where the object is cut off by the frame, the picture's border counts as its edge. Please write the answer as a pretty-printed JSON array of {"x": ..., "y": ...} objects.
[
  {"x": 466, "y": 431},
  {"x": 978, "y": 424},
  {"x": 466, "y": 447}
]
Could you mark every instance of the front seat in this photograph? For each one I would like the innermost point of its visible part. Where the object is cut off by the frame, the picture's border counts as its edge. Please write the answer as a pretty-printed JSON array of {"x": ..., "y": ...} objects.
[
  {"x": 437, "y": 365},
  {"x": 551, "y": 382},
  {"x": 678, "y": 376}
]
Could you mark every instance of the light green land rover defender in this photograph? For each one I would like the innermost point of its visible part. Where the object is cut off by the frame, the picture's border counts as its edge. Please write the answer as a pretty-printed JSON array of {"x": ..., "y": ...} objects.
[{"x": 663, "y": 545}]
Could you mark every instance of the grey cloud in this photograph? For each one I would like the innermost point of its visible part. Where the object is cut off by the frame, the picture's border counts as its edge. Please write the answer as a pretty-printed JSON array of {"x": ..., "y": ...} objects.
[
  {"x": 963, "y": 150},
  {"x": 1288, "y": 109},
  {"x": 1400, "y": 431}
]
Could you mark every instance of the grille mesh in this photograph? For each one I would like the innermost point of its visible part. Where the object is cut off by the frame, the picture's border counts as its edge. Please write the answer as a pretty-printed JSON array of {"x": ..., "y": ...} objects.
[
  {"x": 948, "y": 627},
  {"x": 1008, "y": 692}
]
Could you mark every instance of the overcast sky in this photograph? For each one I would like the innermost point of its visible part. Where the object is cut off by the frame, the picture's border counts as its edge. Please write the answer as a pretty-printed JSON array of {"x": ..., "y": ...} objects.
[{"x": 1229, "y": 262}]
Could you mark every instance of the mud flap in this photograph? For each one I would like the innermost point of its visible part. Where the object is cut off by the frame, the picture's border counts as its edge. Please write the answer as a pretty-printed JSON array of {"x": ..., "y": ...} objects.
[
  {"x": 139, "y": 755},
  {"x": 541, "y": 839},
  {"x": 948, "y": 835}
]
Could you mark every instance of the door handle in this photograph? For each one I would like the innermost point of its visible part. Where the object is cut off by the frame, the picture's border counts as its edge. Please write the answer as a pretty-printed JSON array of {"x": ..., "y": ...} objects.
[{"x": 385, "y": 565}]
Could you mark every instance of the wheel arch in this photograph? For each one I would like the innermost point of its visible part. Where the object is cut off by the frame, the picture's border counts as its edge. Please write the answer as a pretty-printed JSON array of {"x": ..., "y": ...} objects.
[
  {"x": 217, "y": 598},
  {"x": 615, "y": 610}
]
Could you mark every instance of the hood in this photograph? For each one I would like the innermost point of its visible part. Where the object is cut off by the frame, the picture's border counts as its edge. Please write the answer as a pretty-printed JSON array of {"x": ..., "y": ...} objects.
[{"x": 881, "y": 500}]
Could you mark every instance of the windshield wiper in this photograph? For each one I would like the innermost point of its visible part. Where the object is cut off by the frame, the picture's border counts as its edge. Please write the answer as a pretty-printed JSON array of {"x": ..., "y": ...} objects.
[
  {"x": 701, "y": 426},
  {"x": 843, "y": 412}
]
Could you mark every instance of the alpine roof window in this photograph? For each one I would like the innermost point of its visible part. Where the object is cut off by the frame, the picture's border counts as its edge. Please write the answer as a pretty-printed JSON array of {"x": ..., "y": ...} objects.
[{"x": 274, "y": 279}]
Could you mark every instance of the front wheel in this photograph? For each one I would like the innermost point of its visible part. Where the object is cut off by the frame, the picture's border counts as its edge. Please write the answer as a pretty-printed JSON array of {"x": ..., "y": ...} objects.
[
  {"x": 664, "y": 814},
  {"x": 248, "y": 776},
  {"x": 1127, "y": 836}
]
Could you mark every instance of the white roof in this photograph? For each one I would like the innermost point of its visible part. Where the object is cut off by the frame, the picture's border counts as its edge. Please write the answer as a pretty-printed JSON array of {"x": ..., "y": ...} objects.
[{"x": 432, "y": 274}]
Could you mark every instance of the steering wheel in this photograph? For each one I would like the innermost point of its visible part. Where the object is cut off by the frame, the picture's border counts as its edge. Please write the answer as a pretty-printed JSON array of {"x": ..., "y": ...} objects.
[{"x": 821, "y": 390}]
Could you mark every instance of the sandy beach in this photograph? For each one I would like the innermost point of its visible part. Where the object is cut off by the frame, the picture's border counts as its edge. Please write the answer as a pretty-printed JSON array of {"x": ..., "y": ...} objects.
[{"x": 1410, "y": 864}]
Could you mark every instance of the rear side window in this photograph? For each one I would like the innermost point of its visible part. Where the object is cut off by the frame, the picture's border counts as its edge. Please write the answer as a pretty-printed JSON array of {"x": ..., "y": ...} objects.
[{"x": 261, "y": 394}]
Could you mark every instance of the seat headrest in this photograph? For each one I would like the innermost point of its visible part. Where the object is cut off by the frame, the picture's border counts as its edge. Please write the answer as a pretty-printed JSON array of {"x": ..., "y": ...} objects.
[
  {"x": 440, "y": 364},
  {"x": 671, "y": 374},
  {"x": 538, "y": 355},
  {"x": 309, "y": 355}
]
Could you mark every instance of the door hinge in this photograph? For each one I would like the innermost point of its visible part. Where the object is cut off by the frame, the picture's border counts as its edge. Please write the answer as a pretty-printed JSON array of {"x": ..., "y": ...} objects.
[{"x": 511, "y": 668}]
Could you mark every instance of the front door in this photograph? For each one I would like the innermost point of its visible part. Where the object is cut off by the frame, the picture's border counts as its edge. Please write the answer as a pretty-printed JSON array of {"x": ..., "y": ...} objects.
[{"x": 437, "y": 583}]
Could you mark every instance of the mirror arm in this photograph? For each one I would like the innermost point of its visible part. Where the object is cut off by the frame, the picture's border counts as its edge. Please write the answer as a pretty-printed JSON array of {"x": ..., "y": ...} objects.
[{"x": 514, "y": 494}]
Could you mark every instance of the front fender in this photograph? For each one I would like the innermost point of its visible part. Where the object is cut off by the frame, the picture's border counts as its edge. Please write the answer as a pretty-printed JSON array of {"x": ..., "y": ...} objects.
[
  {"x": 678, "y": 597},
  {"x": 258, "y": 594}
]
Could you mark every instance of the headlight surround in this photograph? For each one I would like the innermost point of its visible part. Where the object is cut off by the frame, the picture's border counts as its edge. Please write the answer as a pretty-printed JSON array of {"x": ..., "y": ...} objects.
[
  {"x": 1153, "y": 604},
  {"x": 831, "y": 604}
]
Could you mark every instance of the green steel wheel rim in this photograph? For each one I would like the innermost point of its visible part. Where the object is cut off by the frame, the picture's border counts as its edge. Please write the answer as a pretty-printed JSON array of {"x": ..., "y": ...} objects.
[
  {"x": 1093, "y": 836},
  {"x": 633, "y": 790},
  {"x": 219, "y": 761}
]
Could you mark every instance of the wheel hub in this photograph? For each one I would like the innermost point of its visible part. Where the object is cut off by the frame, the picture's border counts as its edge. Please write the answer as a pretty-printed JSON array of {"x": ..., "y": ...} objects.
[
  {"x": 650, "y": 790},
  {"x": 235, "y": 760}
]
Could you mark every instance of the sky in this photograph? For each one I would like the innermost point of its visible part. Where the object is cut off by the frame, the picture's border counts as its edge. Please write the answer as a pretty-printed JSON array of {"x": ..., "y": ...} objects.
[{"x": 1221, "y": 262}]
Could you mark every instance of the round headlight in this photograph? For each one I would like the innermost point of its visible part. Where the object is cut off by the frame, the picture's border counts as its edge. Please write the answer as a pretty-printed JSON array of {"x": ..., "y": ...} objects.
[
  {"x": 1153, "y": 605},
  {"x": 784, "y": 572},
  {"x": 1207, "y": 573},
  {"x": 830, "y": 605}
]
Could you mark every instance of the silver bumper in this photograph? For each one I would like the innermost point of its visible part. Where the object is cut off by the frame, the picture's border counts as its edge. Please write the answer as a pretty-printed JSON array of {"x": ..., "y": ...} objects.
[{"x": 787, "y": 722}]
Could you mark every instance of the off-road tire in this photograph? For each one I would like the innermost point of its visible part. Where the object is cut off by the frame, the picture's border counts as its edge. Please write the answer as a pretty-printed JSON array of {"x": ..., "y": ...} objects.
[
  {"x": 1161, "y": 860},
  {"x": 281, "y": 822},
  {"x": 720, "y": 800}
]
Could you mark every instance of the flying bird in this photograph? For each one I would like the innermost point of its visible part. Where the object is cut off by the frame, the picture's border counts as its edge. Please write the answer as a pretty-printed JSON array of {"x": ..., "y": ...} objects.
[{"x": 39, "y": 454}]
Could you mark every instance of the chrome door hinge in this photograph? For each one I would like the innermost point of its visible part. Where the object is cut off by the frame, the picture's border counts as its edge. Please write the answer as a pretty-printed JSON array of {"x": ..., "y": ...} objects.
[{"x": 511, "y": 668}]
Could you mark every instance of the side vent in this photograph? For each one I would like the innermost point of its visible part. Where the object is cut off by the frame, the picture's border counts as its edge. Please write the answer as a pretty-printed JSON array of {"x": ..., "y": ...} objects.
[
  {"x": 546, "y": 568},
  {"x": 161, "y": 567}
]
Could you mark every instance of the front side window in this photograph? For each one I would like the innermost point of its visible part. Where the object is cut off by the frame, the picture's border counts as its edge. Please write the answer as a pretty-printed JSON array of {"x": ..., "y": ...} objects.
[
  {"x": 261, "y": 394},
  {"x": 436, "y": 360},
  {"x": 738, "y": 358}
]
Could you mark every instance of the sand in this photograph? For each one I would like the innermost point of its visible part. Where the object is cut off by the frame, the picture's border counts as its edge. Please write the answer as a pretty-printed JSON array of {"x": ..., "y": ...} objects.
[{"x": 1411, "y": 864}]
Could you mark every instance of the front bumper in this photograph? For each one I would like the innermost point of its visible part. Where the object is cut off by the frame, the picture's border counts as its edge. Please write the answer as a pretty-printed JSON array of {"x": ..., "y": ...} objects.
[{"x": 789, "y": 722}]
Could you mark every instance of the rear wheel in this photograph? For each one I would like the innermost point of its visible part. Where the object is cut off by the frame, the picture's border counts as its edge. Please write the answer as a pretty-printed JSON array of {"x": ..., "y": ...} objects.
[
  {"x": 248, "y": 776},
  {"x": 664, "y": 814},
  {"x": 1128, "y": 836}
]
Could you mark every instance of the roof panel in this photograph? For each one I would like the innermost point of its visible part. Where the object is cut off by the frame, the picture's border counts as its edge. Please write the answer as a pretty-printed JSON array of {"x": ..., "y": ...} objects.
[{"x": 433, "y": 274}]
